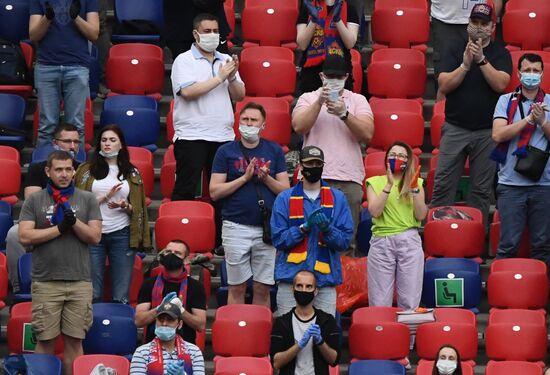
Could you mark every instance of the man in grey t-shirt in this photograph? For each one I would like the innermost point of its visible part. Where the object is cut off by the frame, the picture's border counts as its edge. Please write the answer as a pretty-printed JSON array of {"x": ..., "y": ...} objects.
[{"x": 59, "y": 222}]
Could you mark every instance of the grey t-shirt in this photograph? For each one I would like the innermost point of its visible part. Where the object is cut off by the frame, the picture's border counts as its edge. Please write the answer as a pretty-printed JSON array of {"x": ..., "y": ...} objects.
[
  {"x": 65, "y": 257},
  {"x": 304, "y": 359}
]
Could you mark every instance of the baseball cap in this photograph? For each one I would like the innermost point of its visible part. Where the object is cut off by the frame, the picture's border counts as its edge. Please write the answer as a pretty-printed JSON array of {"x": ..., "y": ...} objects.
[
  {"x": 169, "y": 309},
  {"x": 482, "y": 11},
  {"x": 311, "y": 153},
  {"x": 335, "y": 64}
]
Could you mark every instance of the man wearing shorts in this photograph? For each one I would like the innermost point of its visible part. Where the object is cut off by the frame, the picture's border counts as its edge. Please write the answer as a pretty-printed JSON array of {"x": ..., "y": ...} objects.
[
  {"x": 60, "y": 222},
  {"x": 247, "y": 175}
]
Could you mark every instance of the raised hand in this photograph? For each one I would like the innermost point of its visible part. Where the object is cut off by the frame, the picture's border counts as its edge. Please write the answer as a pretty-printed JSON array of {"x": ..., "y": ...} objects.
[{"x": 313, "y": 11}]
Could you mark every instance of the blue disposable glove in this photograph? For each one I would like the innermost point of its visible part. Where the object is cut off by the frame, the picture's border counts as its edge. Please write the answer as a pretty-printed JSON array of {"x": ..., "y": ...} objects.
[
  {"x": 337, "y": 11},
  {"x": 316, "y": 333},
  {"x": 310, "y": 220},
  {"x": 167, "y": 298},
  {"x": 313, "y": 11},
  {"x": 175, "y": 368},
  {"x": 322, "y": 221},
  {"x": 305, "y": 339}
]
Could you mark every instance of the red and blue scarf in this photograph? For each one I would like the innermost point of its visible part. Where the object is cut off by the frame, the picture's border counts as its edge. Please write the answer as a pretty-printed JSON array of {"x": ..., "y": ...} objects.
[
  {"x": 61, "y": 199},
  {"x": 326, "y": 39},
  {"x": 158, "y": 287},
  {"x": 296, "y": 218},
  {"x": 501, "y": 150},
  {"x": 156, "y": 365}
]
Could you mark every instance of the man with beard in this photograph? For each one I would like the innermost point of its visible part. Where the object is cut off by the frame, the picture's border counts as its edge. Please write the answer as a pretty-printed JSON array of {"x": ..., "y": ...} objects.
[
  {"x": 305, "y": 340},
  {"x": 311, "y": 222},
  {"x": 472, "y": 78},
  {"x": 173, "y": 285}
]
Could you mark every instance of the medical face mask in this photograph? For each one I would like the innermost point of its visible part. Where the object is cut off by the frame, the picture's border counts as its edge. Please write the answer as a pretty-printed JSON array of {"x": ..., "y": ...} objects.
[
  {"x": 446, "y": 366},
  {"x": 530, "y": 80},
  {"x": 250, "y": 134},
  {"x": 108, "y": 155},
  {"x": 209, "y": 42},
  {"x": 165, "y": 333},
  {"x": 335, "y": 85}
]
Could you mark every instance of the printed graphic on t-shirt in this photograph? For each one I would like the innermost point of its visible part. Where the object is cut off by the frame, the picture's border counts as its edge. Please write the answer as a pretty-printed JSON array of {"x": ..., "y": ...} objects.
[
  {"x": 61, "y": 9},
  {"x": 241, "y": 164}
]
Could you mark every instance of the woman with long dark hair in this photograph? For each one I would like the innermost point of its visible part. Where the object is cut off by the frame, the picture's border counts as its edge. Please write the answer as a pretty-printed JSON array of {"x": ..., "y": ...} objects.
[
  {"x": 119, "y": 190},
  {"x": 396, "y": 203},
  {"x": 447, "y": 361}
]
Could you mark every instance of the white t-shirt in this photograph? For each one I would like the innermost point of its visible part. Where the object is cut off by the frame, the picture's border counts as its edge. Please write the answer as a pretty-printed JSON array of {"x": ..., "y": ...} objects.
[
  {"x": 304, "y": 359},
  {"x": 116, "y": 218},
  {"x": 453, "y": 11}
]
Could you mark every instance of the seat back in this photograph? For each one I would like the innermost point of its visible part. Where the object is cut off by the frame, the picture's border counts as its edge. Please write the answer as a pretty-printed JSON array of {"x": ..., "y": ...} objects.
[
  {"x": 12, "y": 110},
  {"x": 454, "y": 238},
  {"x": 382, "y": 340},
  {"x": 130, "y": 101},
  {"x": 516, "y": 342},
  {"x": 32, "y": 364},
  {"x": 111, "y": 334},
  {"x": 240, "y": 365},
  {"x": 269, "y": 25},
  {"x": 84, "y": 364},
  {"x": 430, "y": 337},
  {"x": 24, "y": 270},
  {"x": 391, "y": 126},
  {"x": 141, "y": 126},
  {"x": 512, "y": 367},
  {"x": 384, "y": 31},
  {"x": 150, "y": 10},
  {"x": 376, "y": 367},
  {"x": 526, "y": 29},
  {"x": 14, "y": 20}
]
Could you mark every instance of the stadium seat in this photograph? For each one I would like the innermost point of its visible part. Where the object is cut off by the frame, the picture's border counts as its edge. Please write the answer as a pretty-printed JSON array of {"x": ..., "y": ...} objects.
[
  {"x": 142, "y": 159},
  {"x": 6, "y": 222},
  {"x": 426, "y": 368},
  {"x": 278, "y": 122},
  {"x": 32, "y": 364},
  {"x": 9, "y": 153},
  {"x": 41, "y": 153},
  {"x": 14, "y": 20},
  {"x": 130, "y": 101},
  {"x": 462, "y": 274},
  {"x": 512, "y": 368},
  {"x": 3, "y": 280},
  {"x": 242, "y": 365},
  {"x": 405, "y": 4},
  {"x": 167, "y": 180},
  {"x": 183, "y": 220},
  {"x": 24, "y": 90},
  {"x": 269, "y": 23},
  {"x": 135, "y": 286},
  {"x": 142, "y": 10},
  {"x": 454, "y": 238},
  {"x": 376, "y": 367},
  {"x": 141, "y": 126},
  {"x": 527, "y": 28},
  {"x": 12, "y": 116},
  {"x": 379, "y": 340},
  {"x": 24, "y": 272},
  {"x": 266, "y": 73},
  {"x": 514, "y": 79},
  {"x": 404, "y": 68},
  {"x": 385, "y": 33},
  {"x": 524, "y": 250},
  {"x": 241, "y": 330},
  {"x": 135, "y": 68},
  {"x": 526, "y": 277},
  {"x": 84, "y": 364},
  {"x": 357, "y": 70},
  {"x": 11, "y": 183},
  {"x": 373, "y": 314},
  {"x": 112, "y": 331}
]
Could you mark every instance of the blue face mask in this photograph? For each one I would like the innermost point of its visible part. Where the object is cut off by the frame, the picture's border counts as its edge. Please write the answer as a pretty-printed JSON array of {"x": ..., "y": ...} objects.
[
  {"x": 165, "y": 333},
  {"x": 530, "y": 80}
]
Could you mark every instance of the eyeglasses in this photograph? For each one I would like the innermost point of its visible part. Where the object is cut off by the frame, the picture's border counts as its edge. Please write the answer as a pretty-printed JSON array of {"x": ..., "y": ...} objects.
[
  {"x": 393, "y": 155},
  {"x": 68, "y": 141}
]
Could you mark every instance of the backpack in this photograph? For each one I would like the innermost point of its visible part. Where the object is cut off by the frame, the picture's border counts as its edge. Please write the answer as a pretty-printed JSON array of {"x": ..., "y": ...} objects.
[{"x": 13, "y": 68}]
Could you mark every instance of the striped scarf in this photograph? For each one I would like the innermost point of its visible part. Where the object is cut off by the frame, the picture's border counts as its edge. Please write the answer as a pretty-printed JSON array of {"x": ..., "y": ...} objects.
[{"x": 156, "y": 366}]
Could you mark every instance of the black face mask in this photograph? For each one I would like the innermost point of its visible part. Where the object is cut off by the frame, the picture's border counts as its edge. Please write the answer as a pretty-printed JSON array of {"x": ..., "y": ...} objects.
[
  {"x": 312, "y": 174},
  {"x": 171, "y": 262},
  {"x": 303, "y": 298}
]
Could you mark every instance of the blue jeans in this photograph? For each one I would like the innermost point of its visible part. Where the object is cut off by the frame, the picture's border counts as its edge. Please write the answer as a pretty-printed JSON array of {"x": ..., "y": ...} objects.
[
  {"x": 520, "y": 205},
  {"x": 116, "y": 245},
  {"x": 56, "y": 82}
]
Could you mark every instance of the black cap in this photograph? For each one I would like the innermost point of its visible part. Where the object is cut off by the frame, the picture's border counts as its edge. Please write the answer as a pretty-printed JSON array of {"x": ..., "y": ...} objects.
[
  {"x": 311, "y": 153},
  {"x": 335, "y": 64},
  {"x": 169, "y": 309},
  {"x": 482, "y": 11}
]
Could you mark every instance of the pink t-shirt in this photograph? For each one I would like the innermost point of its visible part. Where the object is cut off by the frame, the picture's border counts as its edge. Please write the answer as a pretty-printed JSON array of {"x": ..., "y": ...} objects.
[{"x": 343, "y": 158}]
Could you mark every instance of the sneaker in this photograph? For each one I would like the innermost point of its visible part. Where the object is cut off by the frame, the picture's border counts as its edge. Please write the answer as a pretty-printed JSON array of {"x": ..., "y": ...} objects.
[
  {"x": 103, "y": 91},
  {"x": 219, "y": 251}
]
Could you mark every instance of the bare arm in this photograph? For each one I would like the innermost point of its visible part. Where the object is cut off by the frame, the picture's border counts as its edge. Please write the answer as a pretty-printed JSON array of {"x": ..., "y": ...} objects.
[
  {"x": 220, "y": 188},
  {"x": 503, "y": 132},
  {"x": 281, "y": 359},
  {"x": 195, "y": 319},
  {"x": 145, "y": 315},
  {"x": 448, "y": 82},
  {"x": 236, "y": 90},
  {"x": 497, "y": 79},
  {"x": 277, "y": 184},
  {"x": 198, "y": 89},
  {"x": 377, "y": 202},
  {"x": 304, "y": 33},
  {"x": 88, "y": 27},
  {"x": 348, "y": 33},
  {"x": 420, "y": 208},
  {"x": 29, "y": 235},
  {"x": 304, "y": 118},
  {"x": 89, "y": 233},
  {"x": 328, "y": 353},
  {"x": 362, "y": 127},
  {"x": 498, "y": 7},
  {"x": 38, "y": 26},
  {"x": 29, "y": 190}
]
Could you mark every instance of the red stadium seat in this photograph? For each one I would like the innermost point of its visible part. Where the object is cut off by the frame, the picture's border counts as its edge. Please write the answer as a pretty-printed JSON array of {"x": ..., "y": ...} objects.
[
  {"x": 279, "y": 3},
  {"x": 183, "y": 220},
  {"x": 404, "y": 4},
  {"x": 526, "y": 277},
  {"x": 167, "y": 180},
  {"x": 241, "y": 330},
  {"x": 386, "y": 33},
  {"x": 514, "y": 80},
  {"x": 3, "y": 280},
  {"x": 404, "y": 69},
  {"x": 512, "y": 368},
  {"x": 473, "y": 212},
  {"x": 453, "y": 315},
  {"x": 11, "y": 183},
  {"x": 243, "y": 365},
  {"x": 426, "y": 368},
  {"x": 135, "y": 68},
  {"x": 527, "y": 28},
  {"x": 278, "y": 122},
  {"x": 22, "y": 90},
  {"x": 373, "y": 314},
  {"x": 269, "y": 23},
  {"x": 379, "y": 340},
  {"x": 266, "y": 73},
  {"x": 230, "y": 16},
  {"x": 356, "y": 71},
  {"x": 142, "y": 159},
  {"x": 84, "y": 364},
  {"x": 9, "y": 153},
  {"x": 536, "y": 317},
  {"x": 432, "y": 336}
]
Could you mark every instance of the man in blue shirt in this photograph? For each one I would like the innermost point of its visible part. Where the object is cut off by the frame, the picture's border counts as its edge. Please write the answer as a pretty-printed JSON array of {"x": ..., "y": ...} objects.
[
  {"x": 61, "y": 29},
  {"x": 246, "y": 176},
  {"x": 521, "y": 121}
]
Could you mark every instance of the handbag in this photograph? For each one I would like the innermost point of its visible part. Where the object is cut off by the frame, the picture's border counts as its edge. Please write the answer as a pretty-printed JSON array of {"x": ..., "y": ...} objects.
[{"x": 533, "y": 164}]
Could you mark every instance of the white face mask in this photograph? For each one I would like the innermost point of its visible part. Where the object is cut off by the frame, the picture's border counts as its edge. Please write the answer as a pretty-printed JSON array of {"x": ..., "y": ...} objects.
[
  {"x": 108, "y": 155},
  {"x": 446, "y": 366},
  {"x": 335, "y": 85},
  {"x": 250, "y": 134},
  {"x": 209, "y": 42}
]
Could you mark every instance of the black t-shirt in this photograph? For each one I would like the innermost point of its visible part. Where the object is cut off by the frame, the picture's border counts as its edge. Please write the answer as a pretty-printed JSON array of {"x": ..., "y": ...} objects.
[
  {"x": 36, "y": 175},
  {"x": 472, "y": 104},
  {"x": 196, "y": 299}
]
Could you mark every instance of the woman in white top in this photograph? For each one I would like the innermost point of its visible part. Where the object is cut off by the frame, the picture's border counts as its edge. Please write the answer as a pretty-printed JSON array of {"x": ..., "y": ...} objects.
[{"x": 118, "y": 187}]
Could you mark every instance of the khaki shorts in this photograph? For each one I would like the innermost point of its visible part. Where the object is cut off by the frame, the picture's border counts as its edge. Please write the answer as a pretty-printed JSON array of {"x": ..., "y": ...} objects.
[{"x": 61, "y": 307}]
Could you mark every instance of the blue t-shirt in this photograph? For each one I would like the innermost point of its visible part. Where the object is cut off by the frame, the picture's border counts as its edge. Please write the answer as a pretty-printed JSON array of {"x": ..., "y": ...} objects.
[
  {"x": 63, "y": 44},
  {"x": 242, "y": 206},
  {"x": 506, "y": 174}
]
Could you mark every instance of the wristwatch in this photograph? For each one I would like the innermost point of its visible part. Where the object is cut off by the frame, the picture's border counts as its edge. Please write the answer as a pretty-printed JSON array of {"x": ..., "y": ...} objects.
[
  {"x": 415, "y": 191},
  {"x": 482, "y": 62},
  {"x": 344, "y": 117}
]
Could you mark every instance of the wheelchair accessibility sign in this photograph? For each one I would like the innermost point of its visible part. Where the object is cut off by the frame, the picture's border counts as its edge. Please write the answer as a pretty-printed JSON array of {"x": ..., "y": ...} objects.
[
  {"x": 29, "y": 340},
  {"x": 449, "y": 292}
]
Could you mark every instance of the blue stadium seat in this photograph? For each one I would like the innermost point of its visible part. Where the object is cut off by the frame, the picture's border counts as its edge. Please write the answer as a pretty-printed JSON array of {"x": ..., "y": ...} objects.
[
  {"x": 364, "y": 232},
  {"x": 32, "y": 364},
  {"x": 118, "y": 309},
  {"x": 42, "y": 152},
  {"x": 6, "y": 222},
  {"x": 462, "y": 269},
  {"x": 376, "y": 367},
  {"x": 130, "y": 102},
  {"x": 12, "y": 116},
  {"x": 143, "y": 10},
  {"x": 14, "y": 20},
  {"x": 141, "y": 126},
  {"x": 24, "y": 269}
]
